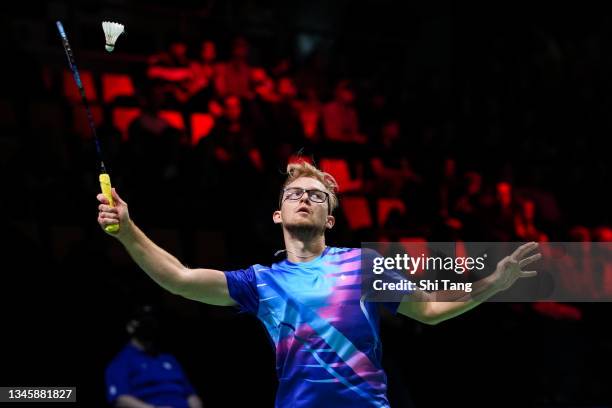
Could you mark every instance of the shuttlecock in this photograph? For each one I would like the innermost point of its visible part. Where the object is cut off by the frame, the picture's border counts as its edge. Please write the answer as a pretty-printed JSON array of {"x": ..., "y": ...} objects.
[{"x": 112, "y": 31}]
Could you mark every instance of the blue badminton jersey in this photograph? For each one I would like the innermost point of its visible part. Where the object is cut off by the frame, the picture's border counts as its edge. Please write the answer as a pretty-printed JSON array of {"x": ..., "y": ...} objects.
[{"x": 326, "y": 337}]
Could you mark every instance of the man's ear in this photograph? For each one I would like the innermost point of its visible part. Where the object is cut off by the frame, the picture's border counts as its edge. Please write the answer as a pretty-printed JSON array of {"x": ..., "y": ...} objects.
[
  {"x": 331, "y": 220},
  {"x": 276, "y": 217}
]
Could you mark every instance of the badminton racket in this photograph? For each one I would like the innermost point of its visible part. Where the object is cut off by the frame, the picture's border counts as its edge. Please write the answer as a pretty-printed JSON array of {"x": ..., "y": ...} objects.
[{"x": 104, "y": 178}]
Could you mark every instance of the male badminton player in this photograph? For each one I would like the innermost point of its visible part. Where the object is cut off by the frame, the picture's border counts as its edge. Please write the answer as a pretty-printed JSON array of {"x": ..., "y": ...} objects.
[{"x": 326, "y": 337}]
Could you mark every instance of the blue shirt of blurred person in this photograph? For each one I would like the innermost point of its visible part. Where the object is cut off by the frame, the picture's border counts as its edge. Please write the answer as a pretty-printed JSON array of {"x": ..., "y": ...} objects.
[{"x": 156, "y": 379}]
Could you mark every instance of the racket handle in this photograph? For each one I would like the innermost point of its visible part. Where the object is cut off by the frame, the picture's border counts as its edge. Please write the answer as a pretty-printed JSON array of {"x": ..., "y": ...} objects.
[{"x": 105, "y": 185}]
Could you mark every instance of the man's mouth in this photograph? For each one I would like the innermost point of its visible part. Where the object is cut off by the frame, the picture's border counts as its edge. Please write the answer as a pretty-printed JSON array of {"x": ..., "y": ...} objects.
[{"x": 304, "y": 210}]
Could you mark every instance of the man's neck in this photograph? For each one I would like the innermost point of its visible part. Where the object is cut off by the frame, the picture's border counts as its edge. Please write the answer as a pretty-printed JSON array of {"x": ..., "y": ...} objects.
[{"x": 303, "y": 250}]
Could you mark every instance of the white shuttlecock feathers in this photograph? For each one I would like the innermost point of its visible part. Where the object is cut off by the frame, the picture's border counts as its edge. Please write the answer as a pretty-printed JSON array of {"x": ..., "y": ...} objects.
[{"x": 112, "y": 31}]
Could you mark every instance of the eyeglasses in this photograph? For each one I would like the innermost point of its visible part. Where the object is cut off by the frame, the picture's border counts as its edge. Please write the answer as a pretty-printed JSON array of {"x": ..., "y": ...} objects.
[{"x": 314, "y": 195}]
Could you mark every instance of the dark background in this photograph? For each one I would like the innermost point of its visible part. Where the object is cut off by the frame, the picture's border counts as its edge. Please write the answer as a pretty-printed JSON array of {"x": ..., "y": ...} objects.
[{"x": 518, "y": 93}]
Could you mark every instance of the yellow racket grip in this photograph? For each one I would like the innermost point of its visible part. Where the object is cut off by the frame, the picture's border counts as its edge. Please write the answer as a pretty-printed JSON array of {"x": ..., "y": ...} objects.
[{"x": 105, "y": 185}]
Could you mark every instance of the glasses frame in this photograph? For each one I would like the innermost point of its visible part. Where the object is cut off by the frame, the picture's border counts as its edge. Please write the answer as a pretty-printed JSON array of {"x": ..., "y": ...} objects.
[{"x": 284, "y": 190}]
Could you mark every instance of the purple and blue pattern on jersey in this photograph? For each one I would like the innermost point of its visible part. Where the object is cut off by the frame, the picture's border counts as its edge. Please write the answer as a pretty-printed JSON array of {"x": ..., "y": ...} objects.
[{"x": 326, "y": 335}]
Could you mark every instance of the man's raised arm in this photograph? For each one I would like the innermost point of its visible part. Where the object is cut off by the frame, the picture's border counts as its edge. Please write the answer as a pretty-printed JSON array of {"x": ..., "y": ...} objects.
[
  {"x": 204, "y": 285},
  {"x": 435, "y": 307}
]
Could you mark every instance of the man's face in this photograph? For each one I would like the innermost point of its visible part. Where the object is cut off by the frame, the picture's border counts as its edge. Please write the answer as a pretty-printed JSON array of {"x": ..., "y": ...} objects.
[{"x": 304, "y": 214}]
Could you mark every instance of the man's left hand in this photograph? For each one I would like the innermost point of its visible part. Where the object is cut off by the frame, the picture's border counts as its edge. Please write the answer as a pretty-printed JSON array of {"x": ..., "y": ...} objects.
[{"x": 511, "y": 267}]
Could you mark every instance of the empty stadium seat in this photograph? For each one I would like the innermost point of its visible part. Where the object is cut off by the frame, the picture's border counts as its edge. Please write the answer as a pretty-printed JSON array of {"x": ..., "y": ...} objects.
[
  {"x": 174, "y": 118},
  {"x": 339, "y": 168},
  {"x": 201, "y": 125},
  {"x": 385, "y": 206},
  {"x": 122, "y": 117},
  {"x": 114, "y": 85},
  {"x": 357, "y": 212}
]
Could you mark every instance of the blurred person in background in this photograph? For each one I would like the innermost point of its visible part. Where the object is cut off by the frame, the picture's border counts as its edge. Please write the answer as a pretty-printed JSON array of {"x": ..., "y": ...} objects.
[
  {"x": 389, "y": 163},
  {"x": 340, "y": 120},
  {"x": 173, "y": 69},
  {"x": 524, "y": 222},
  {"x": 140, "y": 376},
  {"x": 234, "y": 76},
  {"x": 200, "y": 89}
]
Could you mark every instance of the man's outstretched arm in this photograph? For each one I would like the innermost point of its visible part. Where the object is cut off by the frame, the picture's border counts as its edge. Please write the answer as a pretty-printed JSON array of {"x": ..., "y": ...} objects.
[
  {"x": 204, "y": 285},
  {"x": 435, "y": 307}
]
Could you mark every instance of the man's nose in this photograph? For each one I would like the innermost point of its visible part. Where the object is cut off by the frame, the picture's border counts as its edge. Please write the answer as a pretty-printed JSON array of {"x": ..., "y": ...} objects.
[{"x": 305, "y": 197}]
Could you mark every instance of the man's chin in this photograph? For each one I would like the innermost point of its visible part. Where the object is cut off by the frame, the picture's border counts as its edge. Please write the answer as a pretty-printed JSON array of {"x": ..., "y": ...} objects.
[{"x": 305, "y": 227}]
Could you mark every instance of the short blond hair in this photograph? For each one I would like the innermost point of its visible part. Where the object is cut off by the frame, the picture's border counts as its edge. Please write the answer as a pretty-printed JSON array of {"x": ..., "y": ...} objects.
[{"x": 305, "y": 169}]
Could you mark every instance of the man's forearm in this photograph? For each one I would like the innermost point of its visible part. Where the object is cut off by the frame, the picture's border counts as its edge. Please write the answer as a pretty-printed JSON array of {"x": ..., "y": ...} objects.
[
  {"x": 161, "y": 266},
  {"x": 446, "y": 304},
  {"x": 438, "y": 306}
]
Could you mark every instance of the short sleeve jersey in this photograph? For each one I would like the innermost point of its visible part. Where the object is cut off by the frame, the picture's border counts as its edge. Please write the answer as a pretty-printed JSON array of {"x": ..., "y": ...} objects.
[{"x": 326, "y": 336}]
